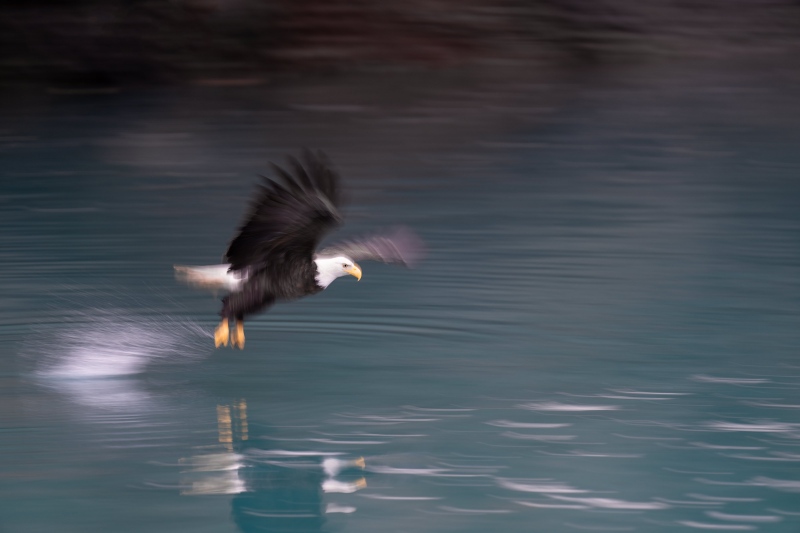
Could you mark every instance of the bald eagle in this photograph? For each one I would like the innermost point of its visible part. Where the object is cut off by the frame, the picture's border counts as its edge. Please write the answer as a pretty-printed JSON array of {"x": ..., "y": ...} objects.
[{"x": 273, "y": 256}]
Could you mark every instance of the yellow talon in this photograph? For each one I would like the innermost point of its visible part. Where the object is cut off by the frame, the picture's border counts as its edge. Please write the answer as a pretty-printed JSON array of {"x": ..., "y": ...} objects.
[
  {"x": 238, "y": 336},
  {"x": 221, "y": 334}
]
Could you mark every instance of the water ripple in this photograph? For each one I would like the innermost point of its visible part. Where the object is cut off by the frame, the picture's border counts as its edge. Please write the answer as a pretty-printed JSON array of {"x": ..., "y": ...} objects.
[
  {"x": 557, "y": 406},
  {"x": 721, "y": 527}
]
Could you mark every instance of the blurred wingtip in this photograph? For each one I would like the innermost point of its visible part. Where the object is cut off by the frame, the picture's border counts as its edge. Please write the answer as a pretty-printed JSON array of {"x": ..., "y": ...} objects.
[{"x": 410, "y": 245}]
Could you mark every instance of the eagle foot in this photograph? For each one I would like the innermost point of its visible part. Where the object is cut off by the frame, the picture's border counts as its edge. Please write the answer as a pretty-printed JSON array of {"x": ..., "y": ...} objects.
[
  {"x": 237, "y": 339},
  {"x": 221, "y": 334}
]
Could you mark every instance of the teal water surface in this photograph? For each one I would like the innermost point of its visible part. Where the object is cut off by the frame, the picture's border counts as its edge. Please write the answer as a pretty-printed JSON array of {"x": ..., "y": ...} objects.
[{"x": 603, "y": 337}]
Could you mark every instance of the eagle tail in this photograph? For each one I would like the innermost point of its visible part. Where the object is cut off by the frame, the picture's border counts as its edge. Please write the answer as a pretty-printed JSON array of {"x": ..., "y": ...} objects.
[{"x": 211, "y": 277}]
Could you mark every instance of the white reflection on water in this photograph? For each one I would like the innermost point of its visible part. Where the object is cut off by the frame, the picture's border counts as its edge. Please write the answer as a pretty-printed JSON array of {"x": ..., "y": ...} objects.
[
  {"x": 113, "y": 343},
  {"x": 409, "y": 471},
  {"x": 108, "y": 394},
  {"x": 95, "y": 360},
  {"x": 778, "y": 484},
  {"x": 730, "y": 381},
  {"x": 767, "y": 427},
  {"x": 543, "y": 486},
  {"x": 543, "y": 438},
  {"x": 743, "y": 518},
  {"x": 558, "y": 406},
  {"x": 401, "y": 498},
  {"x": 334, "y": 508},
  {"x": 343, "y": 487},
  {"x": 525, "y": 425},
  {"x": 473, "y": 511},
  {"x": 723, "y": 527},
  {"x": 611, "y": 503},
  {"x": 332, "y": 466},
  {"x": 216, "y": 473}
]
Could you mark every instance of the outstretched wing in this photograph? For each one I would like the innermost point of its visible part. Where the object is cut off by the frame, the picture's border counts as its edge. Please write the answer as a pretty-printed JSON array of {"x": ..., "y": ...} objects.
[
  {"x": 400, "y": 245},
  {"x": 289, "y": 216}
]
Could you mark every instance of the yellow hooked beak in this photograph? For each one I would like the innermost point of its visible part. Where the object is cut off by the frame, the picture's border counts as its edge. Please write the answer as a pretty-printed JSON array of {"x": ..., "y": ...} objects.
[{"x": 355, "y": 271}]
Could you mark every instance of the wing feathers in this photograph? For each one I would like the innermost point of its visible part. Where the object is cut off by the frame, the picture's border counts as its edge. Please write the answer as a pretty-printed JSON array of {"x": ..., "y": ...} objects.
[
  {"x": 401, "y": 245},
  {"x": 300, "y": 174},
  {"x": 289, "y": 215}
]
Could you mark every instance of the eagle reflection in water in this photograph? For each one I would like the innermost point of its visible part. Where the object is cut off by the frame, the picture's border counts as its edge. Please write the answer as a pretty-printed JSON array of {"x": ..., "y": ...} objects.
[
  {"x": 274, "y": 255},
  {"x": 273, "y": 490}
]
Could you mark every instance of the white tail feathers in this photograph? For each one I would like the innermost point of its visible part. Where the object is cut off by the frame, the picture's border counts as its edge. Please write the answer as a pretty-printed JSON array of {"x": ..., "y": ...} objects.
[{"x": 211, "y": 277}]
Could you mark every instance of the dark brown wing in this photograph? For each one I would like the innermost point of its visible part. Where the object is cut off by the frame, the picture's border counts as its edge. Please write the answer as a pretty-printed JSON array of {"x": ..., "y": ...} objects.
[
  {"x": 289, "y": 216},
  {"x": 401, "y": 245}
]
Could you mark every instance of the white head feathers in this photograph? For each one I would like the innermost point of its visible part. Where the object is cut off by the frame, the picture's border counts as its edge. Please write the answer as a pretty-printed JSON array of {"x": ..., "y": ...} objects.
[{"x": 330, "y": 268}]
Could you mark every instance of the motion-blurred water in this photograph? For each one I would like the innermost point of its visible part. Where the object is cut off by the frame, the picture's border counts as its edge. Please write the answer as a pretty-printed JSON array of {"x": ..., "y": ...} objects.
[{"x": 604, "y": 336}]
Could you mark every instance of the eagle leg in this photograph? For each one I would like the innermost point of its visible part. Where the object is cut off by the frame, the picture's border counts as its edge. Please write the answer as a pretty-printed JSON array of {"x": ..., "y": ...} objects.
[
  {"x": 222, "y": 333},
  {"x": 237, "y": 339}
]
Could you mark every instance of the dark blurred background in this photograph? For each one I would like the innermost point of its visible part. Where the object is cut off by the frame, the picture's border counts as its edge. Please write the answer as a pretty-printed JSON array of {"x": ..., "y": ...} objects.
[{"x": 112, "y": 43}]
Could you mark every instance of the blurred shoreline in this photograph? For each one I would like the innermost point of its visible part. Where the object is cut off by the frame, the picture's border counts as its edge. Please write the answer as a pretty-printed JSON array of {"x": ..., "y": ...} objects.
[{"x": 101, "y": 47}]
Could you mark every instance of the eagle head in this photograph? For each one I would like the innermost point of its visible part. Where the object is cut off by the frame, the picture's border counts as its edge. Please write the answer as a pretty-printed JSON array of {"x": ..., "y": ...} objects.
[{"x": 330, "y": 268}]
